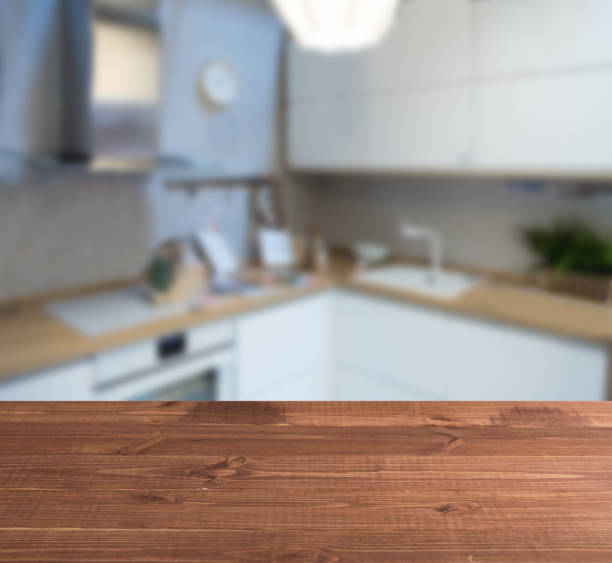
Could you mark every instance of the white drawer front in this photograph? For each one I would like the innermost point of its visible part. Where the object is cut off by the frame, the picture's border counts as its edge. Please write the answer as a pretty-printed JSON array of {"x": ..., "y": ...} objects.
[
  {"x": 205, "y": 337},
  {"x": 123, "y": 361}
]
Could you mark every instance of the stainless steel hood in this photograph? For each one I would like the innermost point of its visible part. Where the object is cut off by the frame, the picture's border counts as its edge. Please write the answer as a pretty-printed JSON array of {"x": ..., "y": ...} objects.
[{"x": 52, "y": 59}]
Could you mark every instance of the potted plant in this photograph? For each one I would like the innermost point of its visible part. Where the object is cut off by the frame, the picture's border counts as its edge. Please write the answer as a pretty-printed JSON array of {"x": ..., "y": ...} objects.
[{"x": 573, "y": 259}]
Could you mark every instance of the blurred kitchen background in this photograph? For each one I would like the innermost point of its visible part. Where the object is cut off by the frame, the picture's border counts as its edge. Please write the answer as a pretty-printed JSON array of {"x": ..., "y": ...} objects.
[{"x": 305, "y": 199}]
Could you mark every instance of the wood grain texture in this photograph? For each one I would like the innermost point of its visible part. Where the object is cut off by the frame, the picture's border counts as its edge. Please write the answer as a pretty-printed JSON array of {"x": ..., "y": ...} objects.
[{"x": 313, "y": 482}]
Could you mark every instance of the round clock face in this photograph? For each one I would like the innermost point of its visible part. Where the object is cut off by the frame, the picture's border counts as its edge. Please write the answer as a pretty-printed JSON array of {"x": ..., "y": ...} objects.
[{"x": 219, "y": 84}]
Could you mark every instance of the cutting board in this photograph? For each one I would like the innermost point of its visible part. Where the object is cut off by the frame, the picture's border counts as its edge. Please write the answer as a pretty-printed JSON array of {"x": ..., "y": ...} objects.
[{"x": 112, "y": 311}]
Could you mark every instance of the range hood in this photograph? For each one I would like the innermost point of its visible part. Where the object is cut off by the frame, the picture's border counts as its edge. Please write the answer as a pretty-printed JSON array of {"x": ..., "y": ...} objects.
[{"x": 57, "y": 108}]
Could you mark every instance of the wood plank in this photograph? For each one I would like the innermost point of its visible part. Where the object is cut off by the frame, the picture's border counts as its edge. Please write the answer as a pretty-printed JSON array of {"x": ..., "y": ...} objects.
[
  {"x": 180, "y": 546},
  {"x": 327, "y": 482},
  {"x": 300, "y": 441},
  {"x": 574, "y": 477},
  {"x": 321, "y": 413}
]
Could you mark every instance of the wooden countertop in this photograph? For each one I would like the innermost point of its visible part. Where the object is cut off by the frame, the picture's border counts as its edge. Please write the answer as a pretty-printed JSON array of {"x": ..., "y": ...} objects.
[
  {"x": 30, "y": 339},
  {"x": 326, "y": 482}
]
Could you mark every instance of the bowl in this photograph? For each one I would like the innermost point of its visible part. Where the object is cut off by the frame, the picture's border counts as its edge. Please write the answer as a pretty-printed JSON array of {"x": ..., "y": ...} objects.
[{"x": 370, "y": 252}]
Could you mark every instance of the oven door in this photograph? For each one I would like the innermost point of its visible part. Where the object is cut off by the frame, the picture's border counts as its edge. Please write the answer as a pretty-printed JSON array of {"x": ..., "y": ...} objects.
[{"x": 207, "y": 377}]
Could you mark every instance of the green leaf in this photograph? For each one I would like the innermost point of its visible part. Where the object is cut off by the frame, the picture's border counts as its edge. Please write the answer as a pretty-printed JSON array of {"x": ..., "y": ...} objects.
[{"x": 570, "y": 246}]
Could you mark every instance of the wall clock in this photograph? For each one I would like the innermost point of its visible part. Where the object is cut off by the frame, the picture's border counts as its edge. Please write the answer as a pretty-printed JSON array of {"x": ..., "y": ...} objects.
[{"x": 218, "y": 84}]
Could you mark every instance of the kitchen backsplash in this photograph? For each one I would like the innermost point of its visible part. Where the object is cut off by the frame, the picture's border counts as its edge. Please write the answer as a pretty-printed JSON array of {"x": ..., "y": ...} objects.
[
  {"x": 479, "y": 219},
  {"x": 67, "y": 232}
]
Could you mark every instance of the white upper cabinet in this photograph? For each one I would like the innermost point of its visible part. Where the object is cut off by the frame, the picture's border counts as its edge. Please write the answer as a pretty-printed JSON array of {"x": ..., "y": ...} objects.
[
  {"x": 327, "y": 134},
  {"x": 560, "y": 123},
  {"x": 496, "y": 86},
  {"x": 544, "y": 81},
  {"x": 405, "y": 103},
  {"x": 429, "y": 44},
  {"x": 312, "y": 75},
  {"x": 524, "y": 36},
  {"x": 415, "y": 129},
  {"x": 418, "y": 129}
]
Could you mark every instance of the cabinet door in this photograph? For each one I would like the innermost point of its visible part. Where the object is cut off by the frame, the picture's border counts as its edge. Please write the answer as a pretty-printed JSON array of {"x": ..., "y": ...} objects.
[
  {"x": 397, "y": 343},
  {"x": 283, "y": 343},
  {"x": 418, "y": 129},
  {"x": 547, "y": 123},
  {"x": 408, "y": 129},
  {"x": 314, "y": 76},
  {"x": 523, "y": 36},
  {"x": 73, "y": 382},
  {"x": 428, "y": 44},
  {"x": 327, "y": 134},
  {"x": 355, "y": 386},
  {"x": 498, "y": 363},
  {"x": 313, "y": 386},
  {"x": 404, "y": 104}
]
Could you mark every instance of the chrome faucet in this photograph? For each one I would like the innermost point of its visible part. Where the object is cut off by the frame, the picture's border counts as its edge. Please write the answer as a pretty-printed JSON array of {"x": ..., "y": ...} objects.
[{"x": 416, "y": 232}]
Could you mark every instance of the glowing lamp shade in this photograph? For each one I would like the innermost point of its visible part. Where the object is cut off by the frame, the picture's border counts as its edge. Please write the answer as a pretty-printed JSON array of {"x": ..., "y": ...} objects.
[{"x": 337, "y": 25}]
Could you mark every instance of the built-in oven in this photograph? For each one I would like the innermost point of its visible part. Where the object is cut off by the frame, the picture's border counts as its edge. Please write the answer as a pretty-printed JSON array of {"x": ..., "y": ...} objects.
[{"x": 192, "y": 366}]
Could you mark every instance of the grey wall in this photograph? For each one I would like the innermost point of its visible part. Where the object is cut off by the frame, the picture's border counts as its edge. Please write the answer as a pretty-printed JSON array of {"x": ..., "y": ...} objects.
[
  {"x": 241, "y": 139},
  {"x": 479, "y": 219},
  {"x": 182, "y": 212}
]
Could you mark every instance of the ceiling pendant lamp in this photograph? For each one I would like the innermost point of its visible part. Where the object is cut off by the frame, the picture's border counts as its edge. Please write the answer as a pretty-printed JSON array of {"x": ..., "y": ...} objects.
[{"x": 337, "y": 25}]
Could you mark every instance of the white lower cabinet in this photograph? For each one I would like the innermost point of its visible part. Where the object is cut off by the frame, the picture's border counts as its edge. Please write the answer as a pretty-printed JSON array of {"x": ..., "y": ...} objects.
[
  {"x": 352, "y": 385},
  {"x": 315, "y": 385},
  {"x": 347, "y": 345},
  {"x": 285, "y": 351},
  {"x": 388, "y": 350},
  {"x": 500, "y": 363},
  {"x": 71, "y": 382},
  {"x": 402, "y": 345}
]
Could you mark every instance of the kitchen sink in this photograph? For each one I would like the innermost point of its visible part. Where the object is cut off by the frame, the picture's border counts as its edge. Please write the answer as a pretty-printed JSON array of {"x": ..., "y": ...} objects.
[{"x": 441, "y": 284}]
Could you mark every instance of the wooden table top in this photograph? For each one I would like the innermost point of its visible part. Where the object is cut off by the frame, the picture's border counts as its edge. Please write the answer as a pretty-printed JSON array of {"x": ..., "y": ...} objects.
[{"x": 309, "y": 482}]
